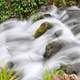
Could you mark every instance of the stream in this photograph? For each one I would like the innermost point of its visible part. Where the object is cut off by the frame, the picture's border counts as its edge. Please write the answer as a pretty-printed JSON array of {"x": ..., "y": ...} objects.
[{"x": 18, "y": 45}]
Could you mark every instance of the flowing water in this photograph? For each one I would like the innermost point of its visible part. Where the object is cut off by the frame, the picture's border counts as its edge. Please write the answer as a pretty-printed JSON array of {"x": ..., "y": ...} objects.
[{"x": 18, "y": 45}]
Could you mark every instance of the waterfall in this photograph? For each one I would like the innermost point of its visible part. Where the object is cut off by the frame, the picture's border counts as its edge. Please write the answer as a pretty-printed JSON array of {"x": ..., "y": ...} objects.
[{"x": 18, "y": 45}]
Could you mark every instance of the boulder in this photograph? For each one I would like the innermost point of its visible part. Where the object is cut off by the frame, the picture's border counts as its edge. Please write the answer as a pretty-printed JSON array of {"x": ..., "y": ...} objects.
[
  {"x": 52, "y": 48},
  {"x": 42, "y": 29}
]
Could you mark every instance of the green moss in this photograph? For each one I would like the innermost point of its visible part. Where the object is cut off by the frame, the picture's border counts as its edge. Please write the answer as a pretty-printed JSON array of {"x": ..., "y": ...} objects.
[{"x": 42, "y": 29}]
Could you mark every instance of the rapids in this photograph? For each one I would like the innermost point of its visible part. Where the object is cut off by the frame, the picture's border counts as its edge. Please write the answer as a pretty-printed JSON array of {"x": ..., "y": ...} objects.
[{"x": 18, "y": 45}]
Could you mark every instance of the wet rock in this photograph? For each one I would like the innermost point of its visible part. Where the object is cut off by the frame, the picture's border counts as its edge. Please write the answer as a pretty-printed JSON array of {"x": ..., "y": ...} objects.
[
  {"x": 47, "y": 15},
  {"x": 76, "y": 29},
  {"x": 58, "y": 33},
  {"x": 73, "y": 13},
  {"x": 42, "y": 29},
  {"x": 10, "y": 65},
  {"x": 72, "y": 68},
  {"x": 53, "y": 48}
]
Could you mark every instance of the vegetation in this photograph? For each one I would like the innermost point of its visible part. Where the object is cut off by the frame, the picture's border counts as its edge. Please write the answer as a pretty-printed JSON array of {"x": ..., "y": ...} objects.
[
  {"x": 59, "y": 74},
  {"x": 24, "y": 8},
  {"x": 39, "y": 16},
  {"x": 65, "y": 3},
  {"x": 49, "y": 75},
  {"x": 19, "y": 8},
  {"x": 8, "y": 75}
]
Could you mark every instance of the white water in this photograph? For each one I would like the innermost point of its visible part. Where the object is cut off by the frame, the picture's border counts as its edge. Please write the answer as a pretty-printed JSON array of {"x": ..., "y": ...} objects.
[{"x": 17, "y": 44}]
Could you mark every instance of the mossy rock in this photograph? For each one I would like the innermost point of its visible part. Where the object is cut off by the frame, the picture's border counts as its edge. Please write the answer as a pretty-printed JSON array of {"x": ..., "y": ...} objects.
[
  {"x": 52, "y": 48},
  {"x": 42, "y": 29},
  {"x": 39, "y": 17}
]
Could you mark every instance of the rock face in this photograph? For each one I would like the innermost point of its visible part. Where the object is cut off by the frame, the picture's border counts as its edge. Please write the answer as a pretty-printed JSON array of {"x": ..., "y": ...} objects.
[
  {"x": 53, "y": 48},
  {"x": 42, "y": 29},
  {"x": 72, "y": 69}
]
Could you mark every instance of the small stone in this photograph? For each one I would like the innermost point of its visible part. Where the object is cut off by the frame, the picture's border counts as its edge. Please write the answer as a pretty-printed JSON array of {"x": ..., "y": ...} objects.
[
  {"x": 10, "y": 65},
  {"x": 47, "y": 15},
  {"x": 58, "y": 33}
]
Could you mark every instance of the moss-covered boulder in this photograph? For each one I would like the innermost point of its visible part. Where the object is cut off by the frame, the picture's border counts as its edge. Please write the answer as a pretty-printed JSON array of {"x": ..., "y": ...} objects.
[{"x": 42, "y": 29}]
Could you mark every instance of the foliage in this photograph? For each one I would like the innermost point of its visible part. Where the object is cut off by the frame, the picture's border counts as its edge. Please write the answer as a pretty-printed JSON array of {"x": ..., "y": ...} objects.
[
  {"x": 65, "y": 3},
  {"x": 39, "y": 16},
  {"x": 4, "y": 13},
  {"x": 24, "y": 8},
  {"x": 48, "y": 75},
  {"x": 19, "y": 8},
  {"x": 8, "y": 75}
]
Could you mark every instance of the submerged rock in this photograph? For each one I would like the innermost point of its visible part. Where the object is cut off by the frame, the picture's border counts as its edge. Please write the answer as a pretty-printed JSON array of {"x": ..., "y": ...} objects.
[
  {"x": 47, "y": 15},
  {"x": 72, "y": 68},
  {"x": 11, "y": 65},
  {"x": 53, "y": 48},
  {"x": 58, "y": 33},
  {"x": 42, "y": 29}
]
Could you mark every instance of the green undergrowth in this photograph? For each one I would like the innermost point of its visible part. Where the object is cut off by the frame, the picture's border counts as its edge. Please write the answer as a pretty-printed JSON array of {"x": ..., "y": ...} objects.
[
  {"x": 6, "y": 74},
  {"x": 21, "y": 9},
  {"x": 48, "y": 75}
]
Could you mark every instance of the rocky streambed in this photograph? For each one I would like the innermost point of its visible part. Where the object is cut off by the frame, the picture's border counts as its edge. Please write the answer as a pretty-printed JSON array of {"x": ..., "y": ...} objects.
[{"x": 36, "y": 45}]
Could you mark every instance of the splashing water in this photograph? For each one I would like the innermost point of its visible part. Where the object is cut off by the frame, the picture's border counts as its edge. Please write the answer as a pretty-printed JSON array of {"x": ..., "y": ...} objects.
[{"x": 18, "y": 45}]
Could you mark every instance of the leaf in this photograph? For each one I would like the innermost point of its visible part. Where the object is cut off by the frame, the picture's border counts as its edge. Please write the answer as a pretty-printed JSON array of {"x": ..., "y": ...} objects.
[{"x": 8, "y": 75}]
